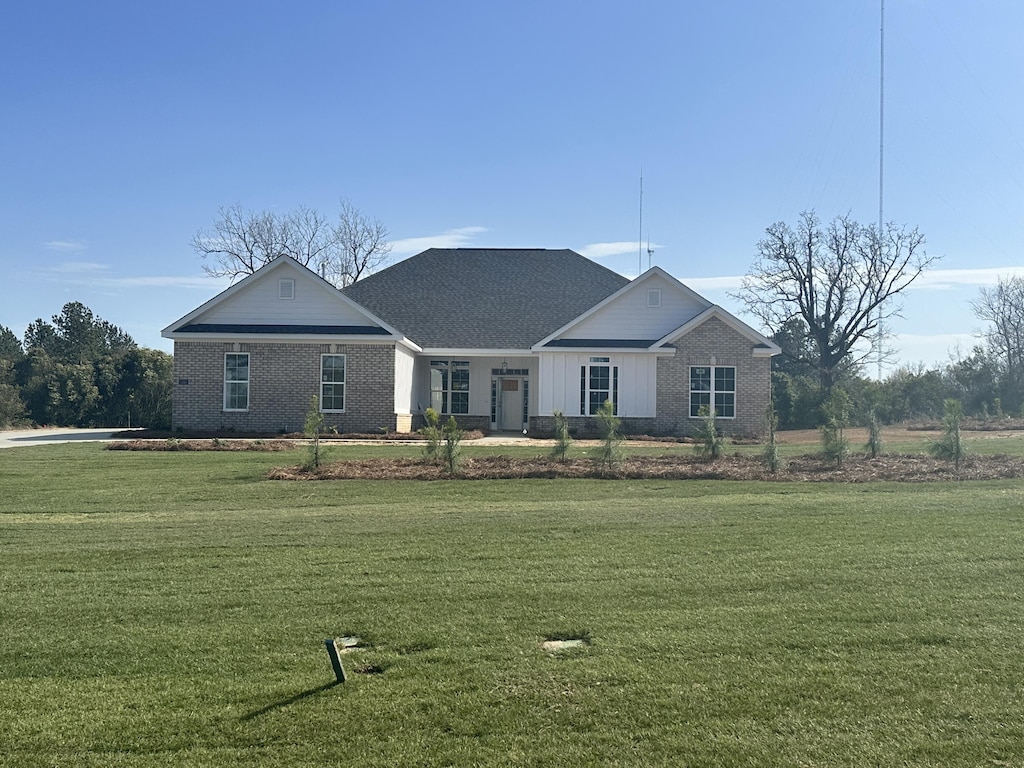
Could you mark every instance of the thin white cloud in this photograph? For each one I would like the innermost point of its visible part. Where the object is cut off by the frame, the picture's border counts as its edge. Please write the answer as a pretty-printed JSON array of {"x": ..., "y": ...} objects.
[
  {"x": 723, "y": 283},
  {"x": 65, "y": 246},
  {"x": 453, "y": 238},
  {"x": 78, "y": 268},
  {"x": 621, "y": 248},
  {"x": 945, "y": 279}
]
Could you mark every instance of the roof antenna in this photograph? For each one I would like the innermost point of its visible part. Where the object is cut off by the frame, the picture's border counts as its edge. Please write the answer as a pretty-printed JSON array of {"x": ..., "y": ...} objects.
[
  {"x": 640, "y": 241},
  {"x": 649, "y": 251}
]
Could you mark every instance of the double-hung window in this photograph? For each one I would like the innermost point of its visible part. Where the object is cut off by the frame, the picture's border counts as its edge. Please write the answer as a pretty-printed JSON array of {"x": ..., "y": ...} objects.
[
  {"x": 599, "y": 381},
  {"x": 449, "y": 386},
  {"x": 713, "y": 385},
  {"x": 236, "y": 381},
  {"x": 332, "y": 382}
]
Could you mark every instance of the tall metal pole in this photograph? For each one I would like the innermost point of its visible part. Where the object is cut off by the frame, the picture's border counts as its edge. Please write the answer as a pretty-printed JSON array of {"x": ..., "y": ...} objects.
[{"x": 881, "y": 167}]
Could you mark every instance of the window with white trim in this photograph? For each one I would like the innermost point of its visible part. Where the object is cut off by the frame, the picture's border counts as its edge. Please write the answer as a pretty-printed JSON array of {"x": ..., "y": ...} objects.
[
  {"x": 332, "y": 383},
  {"x": 599, "y": 381},
  {"x": 236, "y": 381},
  {"x": 449, "y": 386},
  {"x": 713, "y": 384}
]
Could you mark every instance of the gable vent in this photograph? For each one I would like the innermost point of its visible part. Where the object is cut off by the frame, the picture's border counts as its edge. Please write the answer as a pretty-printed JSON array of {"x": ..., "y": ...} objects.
[
  {"x": 654, "y": 297},
  {"x": 286, "y": 288}
]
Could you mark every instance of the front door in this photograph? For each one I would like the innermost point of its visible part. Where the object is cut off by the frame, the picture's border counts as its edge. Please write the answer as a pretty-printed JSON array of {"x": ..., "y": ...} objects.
[{"x": 510, "y": 413}]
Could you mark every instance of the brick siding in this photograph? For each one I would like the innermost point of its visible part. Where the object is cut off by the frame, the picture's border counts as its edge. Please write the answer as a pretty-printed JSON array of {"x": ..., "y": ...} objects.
[
  {"x": 713, "y": 343},
  {"x": 282, "y": 380}
]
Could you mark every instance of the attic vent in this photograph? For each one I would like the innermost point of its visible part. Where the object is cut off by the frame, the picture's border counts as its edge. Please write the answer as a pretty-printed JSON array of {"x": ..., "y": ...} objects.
[
  {"x": 286, "y": 288},
  {"x": 654, "y": 297}
]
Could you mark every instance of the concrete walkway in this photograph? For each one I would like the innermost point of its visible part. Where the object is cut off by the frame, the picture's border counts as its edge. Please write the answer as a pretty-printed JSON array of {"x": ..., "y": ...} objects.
[{"x": 23, "y": 437}]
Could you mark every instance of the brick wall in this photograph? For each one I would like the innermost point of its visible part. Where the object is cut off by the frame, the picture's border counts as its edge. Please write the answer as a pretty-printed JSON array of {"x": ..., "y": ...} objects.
[
  {"x": 713, "y": 343},
  {"x": 282, "y": 379}
]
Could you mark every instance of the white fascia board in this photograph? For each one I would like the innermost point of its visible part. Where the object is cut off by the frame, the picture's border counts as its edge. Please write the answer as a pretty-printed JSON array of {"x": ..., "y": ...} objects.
[
  {"x": 631, "y": 286},
  {"x": 770, "y": 348},
  {"x": 606, "y": 351}
]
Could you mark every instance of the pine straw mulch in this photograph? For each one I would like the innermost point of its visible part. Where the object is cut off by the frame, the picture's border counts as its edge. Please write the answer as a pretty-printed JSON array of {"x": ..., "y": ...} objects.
[{"x": 856, "y": 469}]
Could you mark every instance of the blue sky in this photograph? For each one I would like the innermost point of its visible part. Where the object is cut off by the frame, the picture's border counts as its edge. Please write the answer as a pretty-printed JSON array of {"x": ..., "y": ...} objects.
[{"x": 127, "y": 125}]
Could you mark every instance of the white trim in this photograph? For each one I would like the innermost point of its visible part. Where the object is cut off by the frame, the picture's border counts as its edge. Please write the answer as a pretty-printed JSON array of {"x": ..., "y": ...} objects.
[
  {"x": 730, "y": 320},
  {"x": 289, "y": 283},
  {"x": 711, "y": 392},
  {"x": 344, "y": 382},
  {"x": 247, "y": 381}
]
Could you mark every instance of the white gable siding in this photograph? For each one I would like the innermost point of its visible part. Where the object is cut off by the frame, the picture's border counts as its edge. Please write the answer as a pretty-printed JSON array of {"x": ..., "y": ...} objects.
[
  {"x": 259, "y": 302},
  {"x": 559, "y": 387},
  {"x": 629, "y": 316}
]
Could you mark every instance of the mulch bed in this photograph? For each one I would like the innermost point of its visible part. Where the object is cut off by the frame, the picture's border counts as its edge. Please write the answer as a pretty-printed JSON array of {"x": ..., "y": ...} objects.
[
  {"x": 856, "y": 469},
  {"x": 216, "y": 444}
]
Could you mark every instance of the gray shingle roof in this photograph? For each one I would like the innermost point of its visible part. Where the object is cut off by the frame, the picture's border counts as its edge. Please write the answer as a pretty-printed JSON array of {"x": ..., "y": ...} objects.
[{"x": 490, "y": 298}]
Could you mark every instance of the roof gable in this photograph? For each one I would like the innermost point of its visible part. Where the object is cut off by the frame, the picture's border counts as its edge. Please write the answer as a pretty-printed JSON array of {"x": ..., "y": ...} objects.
[
  {"x": 636, "y": 315},
  {"x": 763, "y": 346},
  {"x": 260, "y": 304},
  {"x": 485, "y": 298}
]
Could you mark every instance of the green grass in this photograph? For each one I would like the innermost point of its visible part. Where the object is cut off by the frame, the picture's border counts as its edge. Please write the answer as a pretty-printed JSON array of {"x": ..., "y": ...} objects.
[{"x": 169, "y": 609}]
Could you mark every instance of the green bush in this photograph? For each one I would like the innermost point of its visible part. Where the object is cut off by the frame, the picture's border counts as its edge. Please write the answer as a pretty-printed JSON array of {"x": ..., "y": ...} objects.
[
  {"x": 712, "y": 444},
  {"x": 608, "y": 453},
  {"x": 431, "y": 431},
  {"x": 836, "y": 411},
  {"x": 313, "y": 427},
  {"x": 563, "y": 441},
  {"x": 951, "y": 445},
  {"x": 770, "y": 454},
  {"x": 452, "y": 447}
]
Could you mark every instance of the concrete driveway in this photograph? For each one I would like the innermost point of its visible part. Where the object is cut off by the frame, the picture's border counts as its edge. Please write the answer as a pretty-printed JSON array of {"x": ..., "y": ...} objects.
[{"x": 22, "y": 437}]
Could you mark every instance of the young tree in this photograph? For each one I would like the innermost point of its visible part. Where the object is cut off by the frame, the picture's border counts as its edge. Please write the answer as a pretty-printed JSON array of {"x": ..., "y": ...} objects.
[
  {"x": 841, "y": 280},
  {"x": 241, "y": 241}
]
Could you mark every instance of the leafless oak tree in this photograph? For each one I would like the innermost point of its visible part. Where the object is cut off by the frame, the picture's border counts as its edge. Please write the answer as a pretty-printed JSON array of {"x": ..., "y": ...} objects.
[
  {"x": 241, "y": 241},
  {"x": 841, "y": 280},
  {"x": 1002, "y": 307}
]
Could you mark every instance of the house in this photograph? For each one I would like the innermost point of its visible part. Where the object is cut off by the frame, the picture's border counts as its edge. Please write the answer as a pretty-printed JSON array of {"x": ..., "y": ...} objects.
[{"x": 498, "y": 338}]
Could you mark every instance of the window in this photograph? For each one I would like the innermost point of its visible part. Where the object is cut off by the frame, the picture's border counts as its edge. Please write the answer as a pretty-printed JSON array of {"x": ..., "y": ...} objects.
[
  {"x": 713, "y": 384},
  {"x": 449, "y": 386},
  {"x": 598, "y": 383},
  {"x": 286, "y": 288},
  {"x": 236, "y": 381},
  {"x": 332, "y": 382}
]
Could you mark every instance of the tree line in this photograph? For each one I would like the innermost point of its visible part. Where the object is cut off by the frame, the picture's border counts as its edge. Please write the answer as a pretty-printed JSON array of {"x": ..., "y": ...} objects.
[{"x": 79, "y": 370}]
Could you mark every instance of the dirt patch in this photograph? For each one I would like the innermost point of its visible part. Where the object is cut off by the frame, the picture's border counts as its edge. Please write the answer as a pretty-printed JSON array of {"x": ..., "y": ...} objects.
[{"x": 856, "y": 469}]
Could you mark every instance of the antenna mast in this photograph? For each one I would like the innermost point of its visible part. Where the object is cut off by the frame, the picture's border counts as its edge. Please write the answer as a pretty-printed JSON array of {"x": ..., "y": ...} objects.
[
  {"x": 640, "y": 240},
  {"x": 879, "y": 334}
]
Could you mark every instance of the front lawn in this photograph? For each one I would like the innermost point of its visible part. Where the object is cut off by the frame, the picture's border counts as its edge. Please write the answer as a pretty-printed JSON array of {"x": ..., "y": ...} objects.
[{"x": 170, "y": 609}]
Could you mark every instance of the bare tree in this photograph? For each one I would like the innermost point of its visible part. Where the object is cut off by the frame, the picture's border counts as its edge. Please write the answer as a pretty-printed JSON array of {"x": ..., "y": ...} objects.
[
  {"x": 841, "y": 281},
  {"x": 362, "y": 246},
  {"x": 241, "y": 241},
  {"x": 1002, "y": 307}
]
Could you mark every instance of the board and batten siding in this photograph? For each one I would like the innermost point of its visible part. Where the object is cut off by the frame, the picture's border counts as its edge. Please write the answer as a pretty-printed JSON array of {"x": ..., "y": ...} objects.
[
  {"x": 314, "y": 303},
  {"x": 405, "y": 362},
  {"x": 629, "y": 317},
  {"x": 559, "y": 388}
]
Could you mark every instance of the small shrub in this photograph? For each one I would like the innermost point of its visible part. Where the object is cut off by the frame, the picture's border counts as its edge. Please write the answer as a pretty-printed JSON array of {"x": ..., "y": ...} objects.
[
  {"x": 431, "y": 431},
  {"x": 563, "y": 440},
  {"x": 834, "y": 444},
  {"x": 770, "y": 454},
  {"x": 712, "y": 444},
  {"x": 313, "y": 427},
  {"x": 876, "y": 446},
  {"x": 452, "y": 447},
  {"x": 951, "y": 445},
  {"x": 608, "y": 452}
]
